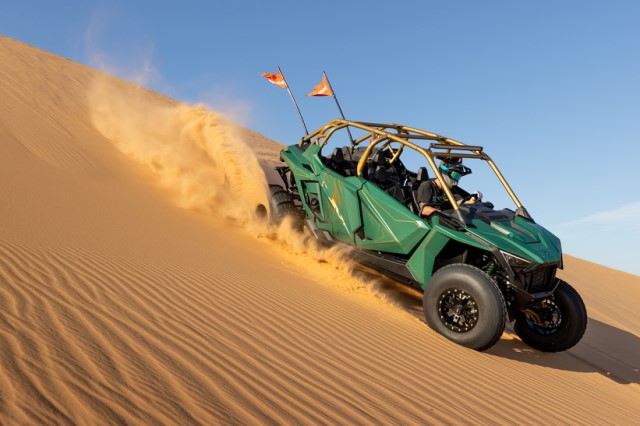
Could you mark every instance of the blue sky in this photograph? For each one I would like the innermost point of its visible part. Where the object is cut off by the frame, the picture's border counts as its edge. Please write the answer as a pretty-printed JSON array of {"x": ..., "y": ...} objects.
[{"x": 551, "y": 89}]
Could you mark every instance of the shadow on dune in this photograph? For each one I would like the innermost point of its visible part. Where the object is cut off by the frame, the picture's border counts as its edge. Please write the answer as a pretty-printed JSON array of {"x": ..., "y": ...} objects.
[{"x": 604, "y": 349}]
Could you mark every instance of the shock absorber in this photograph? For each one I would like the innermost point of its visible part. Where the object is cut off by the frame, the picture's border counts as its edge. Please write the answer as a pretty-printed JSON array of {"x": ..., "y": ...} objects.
[{"x": 489, "y": 267}]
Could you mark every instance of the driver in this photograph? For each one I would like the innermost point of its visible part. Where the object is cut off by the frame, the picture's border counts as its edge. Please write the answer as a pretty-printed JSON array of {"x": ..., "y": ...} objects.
[{"x": 431, "y": 197}]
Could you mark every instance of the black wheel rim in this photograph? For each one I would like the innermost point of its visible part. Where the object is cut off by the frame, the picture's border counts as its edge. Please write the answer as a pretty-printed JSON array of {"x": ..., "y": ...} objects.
[
  {"x": 544, "y": 318},
  {"x": 458, "y": 310}
]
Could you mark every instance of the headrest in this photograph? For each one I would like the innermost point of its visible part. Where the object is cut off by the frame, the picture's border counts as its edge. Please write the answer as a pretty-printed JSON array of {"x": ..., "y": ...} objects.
[
  {"x": 423, "y": 174},
  {"x": 380, "y": 159},
  {"x": 337, "y": 155}
]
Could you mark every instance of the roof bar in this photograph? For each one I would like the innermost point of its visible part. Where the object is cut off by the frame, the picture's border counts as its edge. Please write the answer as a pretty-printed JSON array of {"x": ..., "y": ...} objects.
[{"x": 458, "y": 147}]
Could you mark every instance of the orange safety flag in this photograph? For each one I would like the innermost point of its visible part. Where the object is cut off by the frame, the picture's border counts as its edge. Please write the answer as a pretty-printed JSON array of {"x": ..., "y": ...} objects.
[
  {"x": 276, "y": 79},
  {"x": 322, "y": 89}
]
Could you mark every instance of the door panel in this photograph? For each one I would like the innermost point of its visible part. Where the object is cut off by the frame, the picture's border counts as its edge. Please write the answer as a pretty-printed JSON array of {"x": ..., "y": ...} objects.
[
  {"x": 387, "y": 224},
  {"x": 339, "y": 205}
]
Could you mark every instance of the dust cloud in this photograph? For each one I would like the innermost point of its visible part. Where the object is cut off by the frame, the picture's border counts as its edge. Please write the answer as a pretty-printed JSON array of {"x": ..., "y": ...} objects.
[
  {"x": 199, "y": 157},
  {"x": 196, "y": 154}
]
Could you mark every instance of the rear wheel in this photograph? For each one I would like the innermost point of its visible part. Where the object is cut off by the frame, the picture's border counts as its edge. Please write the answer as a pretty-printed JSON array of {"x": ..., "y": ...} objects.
[
  {"x": 465, "y": 305},
  {"x": 553, "y": 324},
  {"x": 281, "y": 205}
]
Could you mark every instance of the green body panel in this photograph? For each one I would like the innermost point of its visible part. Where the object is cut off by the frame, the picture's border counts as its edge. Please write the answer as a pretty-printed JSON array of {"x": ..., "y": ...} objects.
[
  {"x": 520, "y": 237},
  {"x": 421, "y": 262},
  {"x": 340, "y": 202},
  {"x": 296, "y": 159},
  {"x": 388, "y": 225},
  {"x": 336, "y": 208}
]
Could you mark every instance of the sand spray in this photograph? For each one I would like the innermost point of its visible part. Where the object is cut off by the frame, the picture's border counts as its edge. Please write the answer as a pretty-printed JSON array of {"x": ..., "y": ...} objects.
[
  {"x": 200, "y": 158},
  {"x": 194, "y": 153}
]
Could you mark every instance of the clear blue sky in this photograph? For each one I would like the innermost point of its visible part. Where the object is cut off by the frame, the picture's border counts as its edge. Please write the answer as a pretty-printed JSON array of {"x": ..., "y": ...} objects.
[{"x": 550, "y": 88}]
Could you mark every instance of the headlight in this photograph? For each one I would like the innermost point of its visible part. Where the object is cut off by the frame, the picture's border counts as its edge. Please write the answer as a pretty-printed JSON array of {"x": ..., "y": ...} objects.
[{"x": 516, "y": 261}]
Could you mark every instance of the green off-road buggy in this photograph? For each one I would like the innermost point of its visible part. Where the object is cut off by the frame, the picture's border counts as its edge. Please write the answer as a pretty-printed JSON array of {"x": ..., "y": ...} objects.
[{"x": 477, "y": 266}]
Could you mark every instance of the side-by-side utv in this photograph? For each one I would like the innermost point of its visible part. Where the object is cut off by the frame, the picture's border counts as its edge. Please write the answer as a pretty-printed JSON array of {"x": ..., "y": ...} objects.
[{"x": 478, "y": 266}]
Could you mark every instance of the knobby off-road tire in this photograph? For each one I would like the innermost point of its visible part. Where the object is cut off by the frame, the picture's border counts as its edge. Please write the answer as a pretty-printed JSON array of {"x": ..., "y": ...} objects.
[
  {"x": 281, "y": 206},
  {"x": 465, "y": 305},
  {"x": 554, "y": 324}
]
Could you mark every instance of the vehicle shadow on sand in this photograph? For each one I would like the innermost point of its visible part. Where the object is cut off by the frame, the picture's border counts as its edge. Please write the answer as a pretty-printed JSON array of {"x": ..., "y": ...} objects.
[{"x": 604, "y": 349}]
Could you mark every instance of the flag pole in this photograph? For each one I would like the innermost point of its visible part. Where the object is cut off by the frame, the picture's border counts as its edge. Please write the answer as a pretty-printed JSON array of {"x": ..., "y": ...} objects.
[
  {"x": 294, "y": 102},
  {"x": 335, "y": 98}
]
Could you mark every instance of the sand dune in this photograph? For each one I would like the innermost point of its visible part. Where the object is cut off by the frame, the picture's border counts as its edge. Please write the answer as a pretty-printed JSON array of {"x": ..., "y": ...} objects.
[{"x": 137, "y": 287}]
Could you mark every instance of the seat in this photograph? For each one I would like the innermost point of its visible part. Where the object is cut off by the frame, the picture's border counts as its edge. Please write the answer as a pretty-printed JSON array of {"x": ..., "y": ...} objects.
[
  {"x": 422, "y": 175},
  {"x": 338, "y": 163},
  {"x": 379, "y": 175}
]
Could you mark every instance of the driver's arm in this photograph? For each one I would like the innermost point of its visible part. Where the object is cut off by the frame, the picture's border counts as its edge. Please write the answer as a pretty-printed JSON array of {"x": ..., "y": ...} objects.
[
  {"x": 428, "y": 210},
  {"x": 424, "y": 195}
]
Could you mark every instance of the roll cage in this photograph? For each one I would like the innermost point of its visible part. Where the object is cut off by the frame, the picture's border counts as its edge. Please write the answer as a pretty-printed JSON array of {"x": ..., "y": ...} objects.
[{"x": 381, "y": 136}]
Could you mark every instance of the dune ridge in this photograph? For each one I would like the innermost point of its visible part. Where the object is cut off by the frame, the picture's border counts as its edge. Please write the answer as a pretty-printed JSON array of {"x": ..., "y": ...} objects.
[{"x": 133, "y": 292}]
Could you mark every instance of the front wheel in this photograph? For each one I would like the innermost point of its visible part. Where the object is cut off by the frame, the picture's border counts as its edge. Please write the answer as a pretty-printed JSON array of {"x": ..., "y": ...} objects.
[
  {"x": 465, "y": 305},
  {"x": 553, "y": 324}
]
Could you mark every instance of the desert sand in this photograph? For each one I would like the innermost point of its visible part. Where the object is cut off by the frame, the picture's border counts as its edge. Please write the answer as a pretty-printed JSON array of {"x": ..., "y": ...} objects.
[{"x": 137, "y": 287}]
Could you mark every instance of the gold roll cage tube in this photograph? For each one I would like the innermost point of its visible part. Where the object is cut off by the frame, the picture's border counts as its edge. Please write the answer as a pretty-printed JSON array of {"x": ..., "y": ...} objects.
[{"x": 378, "y": 134}]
